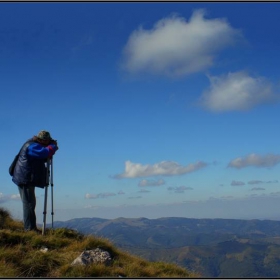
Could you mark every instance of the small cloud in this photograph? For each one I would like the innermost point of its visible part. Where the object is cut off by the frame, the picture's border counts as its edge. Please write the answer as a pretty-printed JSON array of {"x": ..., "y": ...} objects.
[
  {"x": 85, "y": 41},
  {"x": 257, "y": 189},
  {"x": 211, "y": 198},
  {"x": 92, "y": 207},
  {"x": 227, "y": 197},
  {"x": 151, "y": 183},
  {"x": 91, "y": 196},
  {"x": 255, "y": 182},
  {"x": 134, "y": 197},
  {"x": 6, "y": 198},
  {"x": 15, "y": 197},
  {"x": 143, "y": 191},
  {"x": 268, "y": 160},
  {"x": 100, "y": 195},
  {"x": 237, "y": 92},
  {"x": 120, "y": 193},
  {"x": 237, "y": 183},
  {"x": 164, "y": 168},
  {"x": 272, "y": 182},
  {"x": 180, "y": 189},
  {"x": 275, "y": 194}
]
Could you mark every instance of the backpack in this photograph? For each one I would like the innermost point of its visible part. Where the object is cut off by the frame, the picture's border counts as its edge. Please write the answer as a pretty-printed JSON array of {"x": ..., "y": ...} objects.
[{"x": 12, "y": 167}]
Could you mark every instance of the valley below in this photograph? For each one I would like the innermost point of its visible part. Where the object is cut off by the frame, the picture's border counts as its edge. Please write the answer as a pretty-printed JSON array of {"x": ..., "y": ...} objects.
[{"x": 214, "y": 248}]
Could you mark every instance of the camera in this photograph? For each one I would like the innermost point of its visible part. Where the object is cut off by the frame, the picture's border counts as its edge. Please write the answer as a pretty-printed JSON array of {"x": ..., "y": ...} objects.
[{"x": 52, "y": 141}]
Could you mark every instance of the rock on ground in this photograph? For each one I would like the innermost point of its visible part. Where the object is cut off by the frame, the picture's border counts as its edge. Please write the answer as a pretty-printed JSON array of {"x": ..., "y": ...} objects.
[{"x": 93, "y": 256}]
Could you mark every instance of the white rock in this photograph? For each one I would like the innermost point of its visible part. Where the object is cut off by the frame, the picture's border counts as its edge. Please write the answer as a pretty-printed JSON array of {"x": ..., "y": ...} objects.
[
  {"x": 93, "y": 256},
  {"x": 44, "y": 250}
]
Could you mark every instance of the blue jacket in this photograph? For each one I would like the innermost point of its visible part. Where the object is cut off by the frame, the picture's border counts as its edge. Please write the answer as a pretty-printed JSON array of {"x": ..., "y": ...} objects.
[{"x": 30, "y": 168}]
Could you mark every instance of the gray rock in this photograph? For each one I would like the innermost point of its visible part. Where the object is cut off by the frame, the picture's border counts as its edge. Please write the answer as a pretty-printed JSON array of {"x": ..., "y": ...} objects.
[{"x": 93, "y": 256}]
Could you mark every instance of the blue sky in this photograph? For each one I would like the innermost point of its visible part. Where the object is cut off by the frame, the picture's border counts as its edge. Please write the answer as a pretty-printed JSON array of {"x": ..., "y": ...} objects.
[{"x": 159, "y": 109}]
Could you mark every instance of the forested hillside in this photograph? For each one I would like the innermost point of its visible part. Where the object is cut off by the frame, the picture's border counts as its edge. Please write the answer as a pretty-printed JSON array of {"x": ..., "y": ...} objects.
[{"x": 213, "y": 247}]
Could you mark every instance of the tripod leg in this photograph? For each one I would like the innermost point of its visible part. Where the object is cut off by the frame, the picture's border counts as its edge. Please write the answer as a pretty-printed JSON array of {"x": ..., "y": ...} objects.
[
  {"x": 52, "y": 190},
  {"x": 45, "y": 210},
  {"x": 46, "y": 196}
]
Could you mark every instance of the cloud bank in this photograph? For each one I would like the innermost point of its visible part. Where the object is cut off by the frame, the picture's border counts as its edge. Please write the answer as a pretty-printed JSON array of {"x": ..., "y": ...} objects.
[
  {"x": 236, "y": 92},
  {"x": 268, "y": 160},
  {"x": 223, "y": 207},
  {"x": 164, "y": 168},
  {"x": 175, "y": 47}
]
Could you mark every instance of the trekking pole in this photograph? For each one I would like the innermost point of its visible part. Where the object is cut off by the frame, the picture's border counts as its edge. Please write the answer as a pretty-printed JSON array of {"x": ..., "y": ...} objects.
[
  {"x": 46, "y": 196},
  {"x": 52, "y": 189}
]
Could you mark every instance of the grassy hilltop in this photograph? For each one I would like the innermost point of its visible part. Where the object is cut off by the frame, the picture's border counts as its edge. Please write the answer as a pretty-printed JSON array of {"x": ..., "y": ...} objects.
[{"x": 21, "y": 255}]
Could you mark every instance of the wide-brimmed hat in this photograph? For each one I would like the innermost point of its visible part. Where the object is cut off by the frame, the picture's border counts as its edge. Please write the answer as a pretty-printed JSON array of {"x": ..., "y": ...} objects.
[{"x": 44, "y": 135}]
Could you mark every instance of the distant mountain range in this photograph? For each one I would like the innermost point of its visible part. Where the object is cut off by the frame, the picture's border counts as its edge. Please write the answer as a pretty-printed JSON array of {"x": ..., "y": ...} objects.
[{"x": 220, "y": 248}]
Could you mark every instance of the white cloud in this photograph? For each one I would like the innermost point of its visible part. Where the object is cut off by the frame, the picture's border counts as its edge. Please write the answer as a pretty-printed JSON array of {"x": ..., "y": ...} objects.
[
  {"x": 272, "y": 182},
  {"x": 237, "y": 183},
  {"x": 15, "y": 197},
  {"x": 164, "y": 168},
  {"x": 151, "y": 183},
  {"x": 268, "y": 160},
  {"x": 177, "y": 47},
  {"x": 258, "y": 189},
  {"x": 180, "y": 189},
  {"x": 275, "y": 194},
  {"x": 236, "y": 92},
  {"x": 92, "y": 207},
  {"x": 143, "y": 191},
  {"x": 100, "y": 195},
  {"x": 5, "y": 198},
  {"x": 134, "y": 197},
  {"x": 254, "y": 182}
]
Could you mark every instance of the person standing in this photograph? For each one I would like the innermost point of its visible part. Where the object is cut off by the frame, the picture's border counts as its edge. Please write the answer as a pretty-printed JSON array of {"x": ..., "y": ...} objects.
[{"x": 30, "y": 172}]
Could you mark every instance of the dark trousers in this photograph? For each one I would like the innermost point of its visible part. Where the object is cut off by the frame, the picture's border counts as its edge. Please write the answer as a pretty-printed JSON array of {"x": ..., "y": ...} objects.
[{"x": 28, "y": 198}]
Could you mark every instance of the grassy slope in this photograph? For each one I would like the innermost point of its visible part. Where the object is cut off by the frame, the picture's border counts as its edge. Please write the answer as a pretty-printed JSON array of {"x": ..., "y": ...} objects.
[{"x": 21, "y": 255}]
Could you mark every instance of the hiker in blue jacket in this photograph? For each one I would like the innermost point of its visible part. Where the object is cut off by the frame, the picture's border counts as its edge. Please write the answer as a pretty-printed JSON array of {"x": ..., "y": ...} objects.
[{"x": 30, "y": 172}]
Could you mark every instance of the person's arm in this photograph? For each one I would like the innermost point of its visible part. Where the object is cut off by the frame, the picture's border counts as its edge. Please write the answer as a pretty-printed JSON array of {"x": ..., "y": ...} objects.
[{"x": 38, "y": 151}]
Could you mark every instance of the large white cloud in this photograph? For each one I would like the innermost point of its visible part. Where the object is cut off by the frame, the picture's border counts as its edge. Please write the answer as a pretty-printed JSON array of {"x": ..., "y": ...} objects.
[
  {"x": 268, "y": 160},
  {"x": 236, "y": 92},
  {"x": 164, "y": 168},
  {"x": 177, "y": 47}
]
